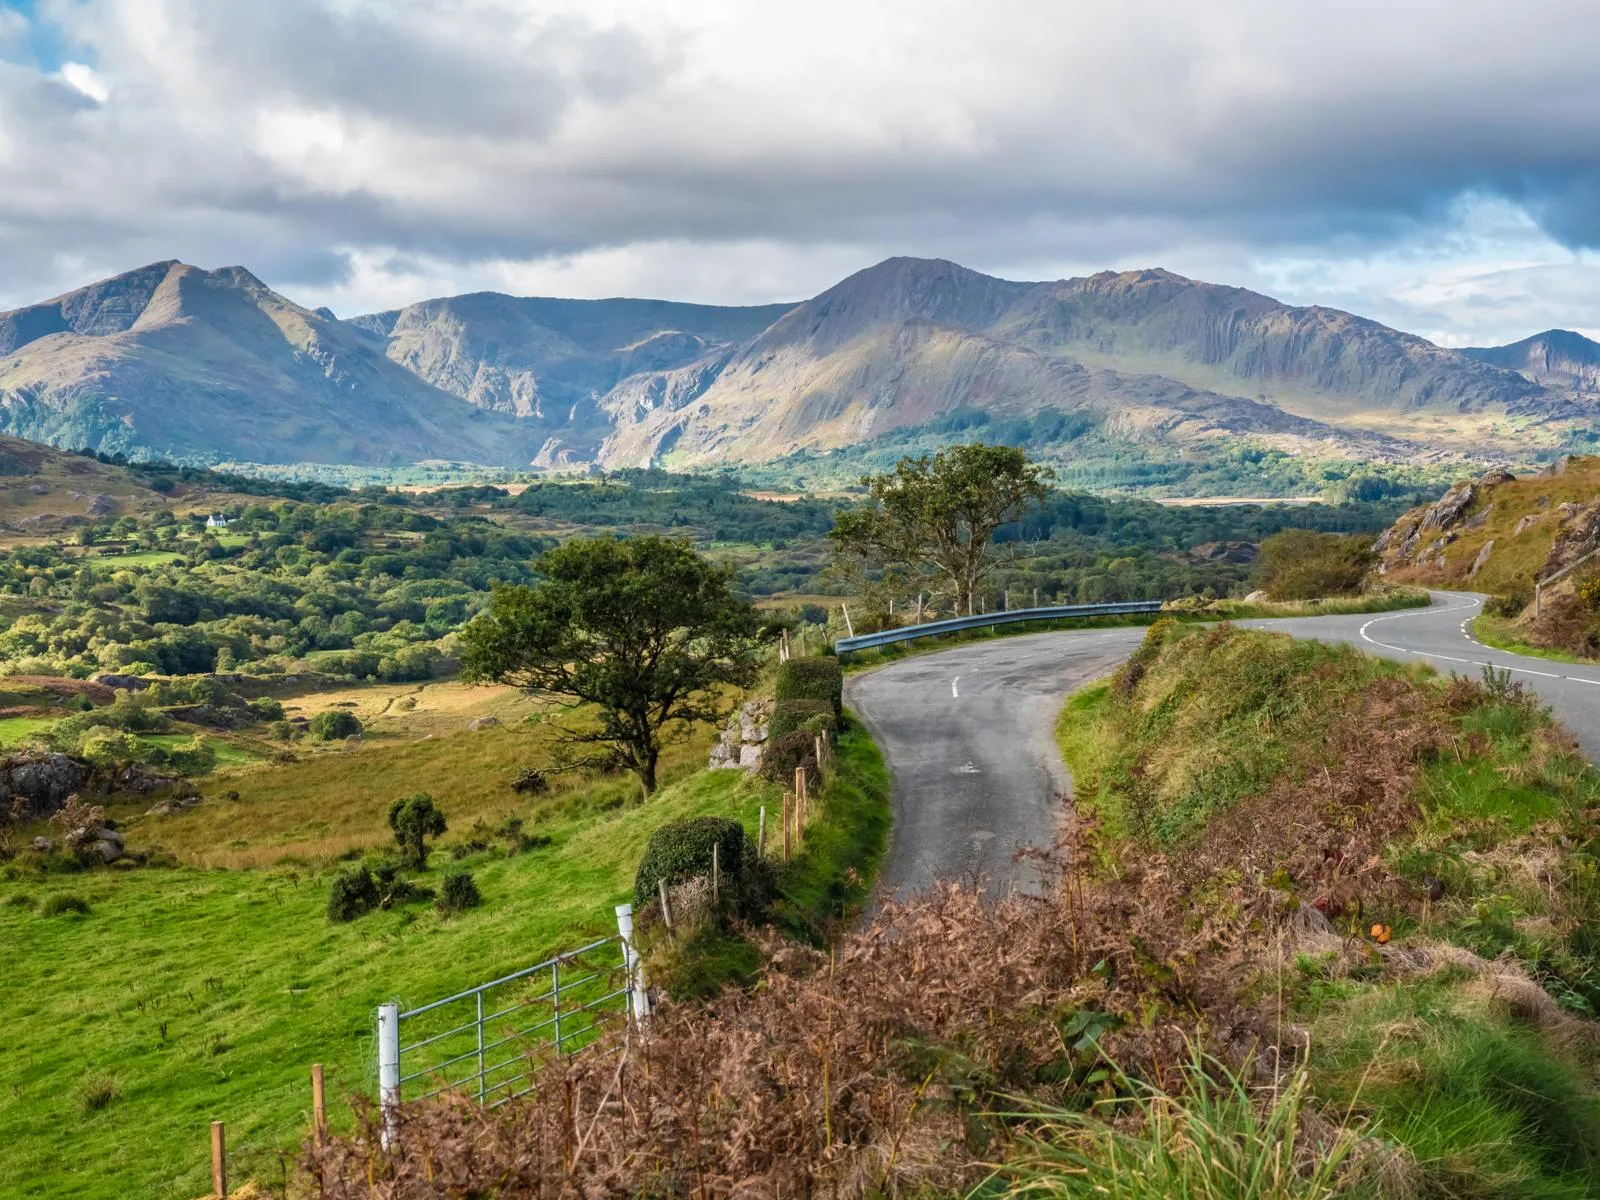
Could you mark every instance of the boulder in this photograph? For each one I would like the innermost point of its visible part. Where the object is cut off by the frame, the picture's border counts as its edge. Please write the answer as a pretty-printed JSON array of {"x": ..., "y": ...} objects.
[
  {"x": 126, "y": 683},
  {"x": 106, "y": 844},
  {"x": 750, "y": 757},
  {"x": 478, "y": 723},
  {"x": 1256, "y": 597},
  {"x": 43, "y": 845},
  {"x": 37, "y": 785}
]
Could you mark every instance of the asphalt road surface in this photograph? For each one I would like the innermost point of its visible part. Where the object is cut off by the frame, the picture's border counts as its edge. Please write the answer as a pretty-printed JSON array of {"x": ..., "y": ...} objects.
[
  {"x": 968, "y": 736},
  {"x": 967, "y": 732}
]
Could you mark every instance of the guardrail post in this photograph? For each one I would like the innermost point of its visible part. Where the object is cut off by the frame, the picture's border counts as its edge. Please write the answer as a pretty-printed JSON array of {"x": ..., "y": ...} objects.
[
  {"x": 639, "y": 997},
  {"x": 388, "y": 1069}
]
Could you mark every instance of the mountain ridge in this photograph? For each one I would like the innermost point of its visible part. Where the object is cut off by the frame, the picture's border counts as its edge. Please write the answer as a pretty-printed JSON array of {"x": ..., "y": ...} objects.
[{"x": 174, "y": 360}]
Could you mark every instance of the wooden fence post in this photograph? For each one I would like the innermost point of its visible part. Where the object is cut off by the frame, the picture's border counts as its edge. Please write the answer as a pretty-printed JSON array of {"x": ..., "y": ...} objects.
[
  {"x": 799, "y": 800},
  {"x": 716, "y": 873},
  {"x": 761, "y": 833},
  {"x": 819, "y": 743},
  {"x": 219, "y": 1161},
  {"x": 666, "y": 904},
  {"x": 788, "y": 799},
  {"x": 319, "y": 1106}
]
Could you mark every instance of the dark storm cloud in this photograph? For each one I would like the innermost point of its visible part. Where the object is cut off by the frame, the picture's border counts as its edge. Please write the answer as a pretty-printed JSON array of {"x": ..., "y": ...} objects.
[{"x": 302, "y": 131}]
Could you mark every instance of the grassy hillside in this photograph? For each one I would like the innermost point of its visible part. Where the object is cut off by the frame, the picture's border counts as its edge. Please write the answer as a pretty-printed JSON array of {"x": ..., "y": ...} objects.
[
  {"x": 197, "y": 992},
  {"x": 1271, "y": 802}
]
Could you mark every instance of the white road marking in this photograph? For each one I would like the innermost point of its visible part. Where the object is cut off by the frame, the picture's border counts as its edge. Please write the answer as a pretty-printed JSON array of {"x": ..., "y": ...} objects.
[
  {"x": 1471, "y": 662},
  {"x": 953, "y": 690}
]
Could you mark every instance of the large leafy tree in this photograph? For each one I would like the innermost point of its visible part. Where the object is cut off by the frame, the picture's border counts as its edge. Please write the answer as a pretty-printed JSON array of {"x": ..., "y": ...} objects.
[
  {"x": 646, "y": 630},
  {"x": 935, "y": 518}
]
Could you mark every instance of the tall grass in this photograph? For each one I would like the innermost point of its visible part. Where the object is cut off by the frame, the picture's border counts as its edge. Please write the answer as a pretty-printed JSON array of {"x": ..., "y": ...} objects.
[{"x": 1213, "y": 1141}]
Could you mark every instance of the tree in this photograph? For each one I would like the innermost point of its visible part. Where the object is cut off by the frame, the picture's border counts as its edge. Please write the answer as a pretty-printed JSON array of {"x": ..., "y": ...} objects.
[
  {"x": 1299, "y": 564},
  {"x": 937, "y": 517},
  {"x": 646, "y": 630},
  {"x": 415, "y": 819},
  {"x": 334, "y": 723}
]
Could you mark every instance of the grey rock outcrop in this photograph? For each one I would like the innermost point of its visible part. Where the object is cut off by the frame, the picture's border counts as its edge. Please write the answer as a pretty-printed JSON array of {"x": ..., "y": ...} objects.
[
  {"x": 746, "y": 733},
  {"x": 37, "y": 785}
]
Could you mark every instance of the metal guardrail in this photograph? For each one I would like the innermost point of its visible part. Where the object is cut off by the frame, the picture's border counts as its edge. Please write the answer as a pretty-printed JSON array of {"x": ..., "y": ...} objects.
[
  {"x": 867, "y": 641},
  {"x": 476, "y": 1042}
]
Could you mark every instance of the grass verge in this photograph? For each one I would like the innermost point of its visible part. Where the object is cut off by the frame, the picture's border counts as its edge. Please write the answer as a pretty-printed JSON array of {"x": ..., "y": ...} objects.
[
  {"x": 1422, "y": 845},
  {"x": 1503, "y": 634}
]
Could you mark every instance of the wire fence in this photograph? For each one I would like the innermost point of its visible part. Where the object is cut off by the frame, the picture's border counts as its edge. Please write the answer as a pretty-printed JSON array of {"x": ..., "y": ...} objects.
[{"x": 485, "y": 1042}]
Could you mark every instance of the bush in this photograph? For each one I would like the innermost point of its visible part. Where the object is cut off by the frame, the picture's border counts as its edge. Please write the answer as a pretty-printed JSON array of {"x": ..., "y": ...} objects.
[
  {"x": 783, "y": 756},
  {"x": 354, "y": 892},
  {"x": 266, "y": 709},
  {"x": 64, "y": 902},
  {"x": 282, "y": 731},
  {"x": 681, "y": 850},
  {"x": 460, "y": 893},
  {"x": 1298, "y": 564},
  {"x": 1509, "y": 605},
  {"x": 789, "y": 715},
  {"x": 334, "y": 724},
  {"x": 811, "y": 679}
]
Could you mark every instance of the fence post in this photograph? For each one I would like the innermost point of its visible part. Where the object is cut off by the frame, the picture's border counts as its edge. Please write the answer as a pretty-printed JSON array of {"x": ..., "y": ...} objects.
[
  {"x": 555, "y": 999},
  {"x": 788, "y": 799},
  {"x": 388, "y": 1069},
  {"x": 640, "y": 998},
  {"x": 319, "y": 1105},
  {"x": 479, "y": 1025},
  {"x": 799, "y": 800},
  {"x": 761, "y": 833},
  {"x": 666, "y": 903},
  {"x": 219, "y": 1161},
  {"x": 716, "y": 874},
  {"x": 818, "y": 743},
  {"x": 849, "y": 626}
]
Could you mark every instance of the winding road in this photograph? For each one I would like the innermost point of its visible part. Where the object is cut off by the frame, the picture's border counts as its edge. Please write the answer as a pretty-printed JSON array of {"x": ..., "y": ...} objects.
[{"x": 968, "y": 732}]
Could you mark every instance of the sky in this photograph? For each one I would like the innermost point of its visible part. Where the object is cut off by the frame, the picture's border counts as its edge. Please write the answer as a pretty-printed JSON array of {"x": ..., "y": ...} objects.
[{"x": 1433, "y": 164}]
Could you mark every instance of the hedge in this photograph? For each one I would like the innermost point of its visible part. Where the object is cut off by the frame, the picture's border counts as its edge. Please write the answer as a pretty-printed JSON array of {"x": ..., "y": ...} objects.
[
  {"x": 789, "y": 715},
  {"x": 782, "y": 756},
  {"x": 811, "y": 679},
  {"x": 681, "y": 850}
]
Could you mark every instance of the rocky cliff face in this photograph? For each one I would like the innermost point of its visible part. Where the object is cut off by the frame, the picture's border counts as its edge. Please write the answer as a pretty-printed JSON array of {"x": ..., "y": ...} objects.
[
  {"x": 1499, "y": 533},
  {"x": 1557, "y": 359}
]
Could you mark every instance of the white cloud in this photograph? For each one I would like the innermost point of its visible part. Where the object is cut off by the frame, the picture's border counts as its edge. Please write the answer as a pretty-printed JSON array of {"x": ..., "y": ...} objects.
[
  {"x": 716, "y": 149},
  {"x": 84, "y": 79}
]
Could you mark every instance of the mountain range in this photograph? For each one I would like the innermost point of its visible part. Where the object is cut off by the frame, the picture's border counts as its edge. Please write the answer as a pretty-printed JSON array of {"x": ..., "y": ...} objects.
[{"x": 214, "y": 366}]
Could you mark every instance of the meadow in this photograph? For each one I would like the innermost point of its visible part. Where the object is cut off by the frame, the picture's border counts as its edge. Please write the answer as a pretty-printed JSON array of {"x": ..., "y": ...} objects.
[{"x": 191, "y": 993}]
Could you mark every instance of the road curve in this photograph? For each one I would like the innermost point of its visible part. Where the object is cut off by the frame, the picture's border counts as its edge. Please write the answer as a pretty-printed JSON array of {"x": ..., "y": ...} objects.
[
  {"x": 968, "y": 737},
  {"x": 968, "y": 732},
  {"x": 1441, "y": 636}
]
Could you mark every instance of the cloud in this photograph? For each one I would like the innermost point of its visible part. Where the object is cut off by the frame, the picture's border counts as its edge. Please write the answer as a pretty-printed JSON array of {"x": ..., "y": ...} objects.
[{"x": 715, "y": 146}]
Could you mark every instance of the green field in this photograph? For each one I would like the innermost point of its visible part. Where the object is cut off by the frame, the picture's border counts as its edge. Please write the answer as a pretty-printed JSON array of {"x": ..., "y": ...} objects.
[
  {"x": 207, "y": 994},
  {"x": 16, "y": 730}
]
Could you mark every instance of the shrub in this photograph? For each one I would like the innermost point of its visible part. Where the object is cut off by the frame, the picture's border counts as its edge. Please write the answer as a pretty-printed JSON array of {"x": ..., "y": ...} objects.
[
  {"x": 790, "y": 715},
  {"x": 811, "y": 679},
  {"x": 531, "y": 781},
  {"x": 414, "y": 819},
  {"x": 783, "y": 756},
  {"x": 266, "y": 708},
  {"x": 1509, "y": 605},
  {"x": 334, "y": 724},
  {"x": 681, "y": 850},
  {"x": 64, "y": 902},
  {"x": 195, "y": 757},
  {"x": 354, "y": 892},
  {"x": 1298, "y": 564},
  {"x": 282, "y": 731},
  {"x": 459, "y": 893},
  {"x": 394, "y": 888}
]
